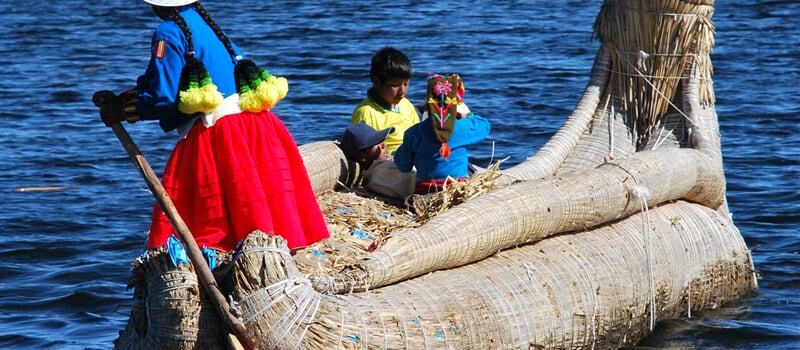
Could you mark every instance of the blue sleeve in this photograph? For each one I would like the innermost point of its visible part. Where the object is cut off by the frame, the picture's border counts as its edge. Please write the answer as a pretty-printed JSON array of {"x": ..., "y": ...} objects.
[
  {"x": 404, "y": 156},
  {"x": 158, "y": 87},
  {"x": 472, "y": 129}
]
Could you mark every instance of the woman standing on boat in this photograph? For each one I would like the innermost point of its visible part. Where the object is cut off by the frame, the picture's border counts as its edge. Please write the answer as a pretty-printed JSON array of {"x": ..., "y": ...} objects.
[{"x": 235, "y": 168}]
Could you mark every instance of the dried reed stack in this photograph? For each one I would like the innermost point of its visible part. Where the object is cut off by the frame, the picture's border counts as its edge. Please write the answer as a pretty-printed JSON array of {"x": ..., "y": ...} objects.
[
  {"x": 169, "y": 311},
  {"x": 356, "y": 224},
  {"x": 360, "y": 222}
]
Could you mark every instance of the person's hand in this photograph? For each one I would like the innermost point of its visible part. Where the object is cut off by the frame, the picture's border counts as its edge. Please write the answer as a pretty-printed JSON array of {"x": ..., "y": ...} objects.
[{"x": 110, "y": 106}]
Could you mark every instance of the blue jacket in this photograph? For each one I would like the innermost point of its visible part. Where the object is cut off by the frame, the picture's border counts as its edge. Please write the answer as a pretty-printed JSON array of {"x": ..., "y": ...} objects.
[
  {"x": 158, "y": 87},
  {"x": 420, "y": 148}
]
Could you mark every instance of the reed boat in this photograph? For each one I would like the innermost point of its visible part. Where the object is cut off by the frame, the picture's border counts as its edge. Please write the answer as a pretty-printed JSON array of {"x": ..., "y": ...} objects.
[{"x": 619, "y": 221}]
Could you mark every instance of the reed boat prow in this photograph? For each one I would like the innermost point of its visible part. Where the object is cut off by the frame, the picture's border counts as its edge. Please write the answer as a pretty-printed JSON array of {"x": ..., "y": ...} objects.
[
  {"x": 620, "y": 220},
  {"x": 673, "y": 153}
]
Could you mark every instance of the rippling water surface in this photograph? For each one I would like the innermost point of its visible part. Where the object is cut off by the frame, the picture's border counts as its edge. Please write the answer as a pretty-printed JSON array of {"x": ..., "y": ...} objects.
[{"x": 66, "y": 253}]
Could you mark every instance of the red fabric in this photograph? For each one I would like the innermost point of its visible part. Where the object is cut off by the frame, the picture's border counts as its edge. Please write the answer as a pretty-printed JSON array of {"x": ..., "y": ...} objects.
[
  {"x": 242, "y": 174},
  {"x": 429, "y": 186}
]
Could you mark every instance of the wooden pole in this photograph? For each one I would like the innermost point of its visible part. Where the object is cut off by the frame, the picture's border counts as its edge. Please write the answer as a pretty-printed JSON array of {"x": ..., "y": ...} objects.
[{"x": 195, "y": 255}]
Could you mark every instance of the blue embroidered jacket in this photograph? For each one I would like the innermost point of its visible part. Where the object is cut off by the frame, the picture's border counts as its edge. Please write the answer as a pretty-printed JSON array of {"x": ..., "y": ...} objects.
[{"x": 158, "y": 87}]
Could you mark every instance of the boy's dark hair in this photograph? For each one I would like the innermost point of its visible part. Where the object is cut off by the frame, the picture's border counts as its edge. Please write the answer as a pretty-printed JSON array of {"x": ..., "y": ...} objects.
[{"x": 388, "y": 63}]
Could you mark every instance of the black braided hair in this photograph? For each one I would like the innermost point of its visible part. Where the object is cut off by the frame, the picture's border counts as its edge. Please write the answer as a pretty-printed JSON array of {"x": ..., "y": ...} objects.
[
  {"x": 193, "y": 97},
  {"x": 185, "y": 29},
  {"x": 211, "y": 23},
  {"x": 248, "y": 76},
  {"x": 217, "y": 30}
]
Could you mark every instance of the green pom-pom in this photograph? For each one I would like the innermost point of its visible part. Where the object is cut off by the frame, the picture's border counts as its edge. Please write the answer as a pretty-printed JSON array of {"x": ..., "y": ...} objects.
[{"x": 258, "y": 89}]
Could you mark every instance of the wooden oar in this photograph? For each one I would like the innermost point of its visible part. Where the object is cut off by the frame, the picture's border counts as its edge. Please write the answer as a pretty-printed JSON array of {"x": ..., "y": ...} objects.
[{"x": 195, "y": 256}]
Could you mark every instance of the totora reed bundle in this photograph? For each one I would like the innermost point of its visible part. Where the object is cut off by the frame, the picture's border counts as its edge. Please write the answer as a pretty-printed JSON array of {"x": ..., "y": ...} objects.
[
  {"x": 648, "y": 64},
  {"x": 169, "y": 309}
]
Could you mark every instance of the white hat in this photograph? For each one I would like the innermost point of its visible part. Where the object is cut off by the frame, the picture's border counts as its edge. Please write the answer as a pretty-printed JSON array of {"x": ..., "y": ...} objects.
[{"x": 170, "y": 3}]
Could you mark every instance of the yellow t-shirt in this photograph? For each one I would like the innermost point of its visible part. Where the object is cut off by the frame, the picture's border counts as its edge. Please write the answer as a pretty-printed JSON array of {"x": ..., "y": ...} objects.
[{"x": 371, "y": 113}]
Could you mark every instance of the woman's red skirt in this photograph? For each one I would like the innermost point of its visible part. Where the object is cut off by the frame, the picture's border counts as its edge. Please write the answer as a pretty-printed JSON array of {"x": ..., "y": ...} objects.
[{"x": 243, "y": 174}]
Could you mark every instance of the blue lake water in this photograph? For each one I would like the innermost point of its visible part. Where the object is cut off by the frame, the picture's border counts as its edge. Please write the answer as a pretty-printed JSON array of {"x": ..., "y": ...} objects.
[{"x": 65, "y": 254}]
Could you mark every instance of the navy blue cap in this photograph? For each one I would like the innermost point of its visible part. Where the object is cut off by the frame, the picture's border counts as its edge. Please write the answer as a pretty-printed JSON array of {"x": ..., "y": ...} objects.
[{"x": 361, "y": 136}]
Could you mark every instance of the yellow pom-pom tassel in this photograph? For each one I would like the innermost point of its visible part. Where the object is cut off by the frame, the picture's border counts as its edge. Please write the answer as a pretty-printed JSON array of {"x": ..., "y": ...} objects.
[
  {"x": 250, "y": 101},
  {"x": 189, "y": 101},
  {"x": 258, "y": 90},
  {"x": 199, "y": 99},
  {"x": 267, "y": 94},
  {"x": 272, "y": 91},
  {"x": 212, "y": 98},
  {"x": 282, "y": 85}
]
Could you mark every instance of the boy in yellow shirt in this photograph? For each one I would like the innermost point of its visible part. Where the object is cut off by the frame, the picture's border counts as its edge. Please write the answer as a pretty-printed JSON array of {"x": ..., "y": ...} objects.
[{"x": 386, "y": 105}]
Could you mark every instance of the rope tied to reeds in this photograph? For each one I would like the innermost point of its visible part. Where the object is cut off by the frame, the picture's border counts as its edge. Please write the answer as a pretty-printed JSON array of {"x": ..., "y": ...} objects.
[
  {"x": 170, "y": 311},
  {"x": 652, "y": 45},
  {"x": 642, "y": 193},
  {"x": 511, "y": 300}
]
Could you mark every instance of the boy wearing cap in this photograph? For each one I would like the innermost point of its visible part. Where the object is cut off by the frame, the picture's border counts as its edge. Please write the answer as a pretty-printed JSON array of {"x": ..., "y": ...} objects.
[
  {"x": 386, "y": 105},
  {"x": 437, "y": 147},
  {"x": 363, "y": 144}
]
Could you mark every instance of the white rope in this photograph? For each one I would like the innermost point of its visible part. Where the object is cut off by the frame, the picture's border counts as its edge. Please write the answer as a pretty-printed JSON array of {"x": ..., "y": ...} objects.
[
  {"x": 689, "y": 302},
  {"x": 341, "y": 322},
  {"x": 641, "y": 59},
  {"x": 529, "y": 270},
  {"x": 639, "y": 74},
  {"x": 343, "y": 185},
  {"x": 611, "y": 130},
  {"x": 636, "y": 53},
  {"x": 610, "y": 125},
  {"x": 664, "y": 14},
  {"x": 301, "y": 310},
  {"x": 594, "y": 322},
  {"x": 660, "y": 93},
  {"x": 643, "y": 192},
  {"x": 594, "y": 313},
  {"x": 275, "y": 292}
]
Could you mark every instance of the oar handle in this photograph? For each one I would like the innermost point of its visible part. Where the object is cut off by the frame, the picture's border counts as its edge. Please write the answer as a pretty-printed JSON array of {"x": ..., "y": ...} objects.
[{"x": 195, "y": 256}]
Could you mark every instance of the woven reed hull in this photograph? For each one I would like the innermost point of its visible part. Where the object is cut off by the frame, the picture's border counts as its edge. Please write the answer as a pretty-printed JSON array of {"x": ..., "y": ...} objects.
[
  {"x": 569, "y": 251},
  {"x": 169, "y": 310},
  {"x": 592, "y": 288}
]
